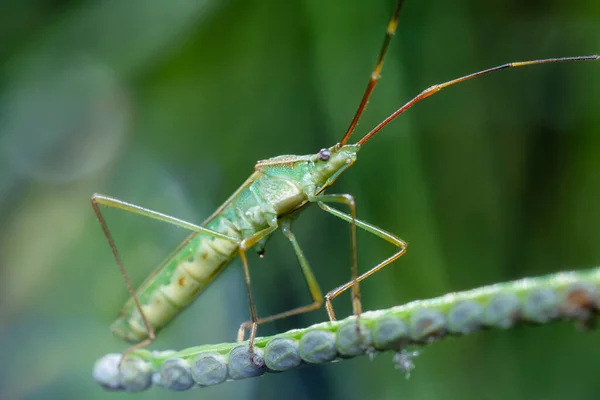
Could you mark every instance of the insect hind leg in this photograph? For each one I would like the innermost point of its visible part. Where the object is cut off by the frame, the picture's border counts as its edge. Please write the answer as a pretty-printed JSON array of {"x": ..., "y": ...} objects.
[{"x": 98, "y": 200}]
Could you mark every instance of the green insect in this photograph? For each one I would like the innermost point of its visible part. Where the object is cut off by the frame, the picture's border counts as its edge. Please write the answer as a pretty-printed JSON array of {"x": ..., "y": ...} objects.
[{"x": 274, "y": 194}]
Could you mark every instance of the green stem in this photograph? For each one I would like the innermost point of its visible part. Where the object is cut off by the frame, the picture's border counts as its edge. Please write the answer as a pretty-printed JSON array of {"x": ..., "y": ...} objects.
[{"x": 540, "y": 300}]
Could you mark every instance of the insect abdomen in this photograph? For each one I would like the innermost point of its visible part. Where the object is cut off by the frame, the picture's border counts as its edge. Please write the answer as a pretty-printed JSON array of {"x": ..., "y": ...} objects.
[{"x": 178, "y": 282}]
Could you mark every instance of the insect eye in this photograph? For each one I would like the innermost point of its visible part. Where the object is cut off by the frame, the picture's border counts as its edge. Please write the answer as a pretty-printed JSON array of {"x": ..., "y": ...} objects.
[{"x": 324, "y": 154}]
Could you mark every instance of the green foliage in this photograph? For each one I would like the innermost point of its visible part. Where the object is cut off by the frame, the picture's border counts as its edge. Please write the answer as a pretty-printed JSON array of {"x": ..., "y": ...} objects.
[{"x": 170, "y": 104}]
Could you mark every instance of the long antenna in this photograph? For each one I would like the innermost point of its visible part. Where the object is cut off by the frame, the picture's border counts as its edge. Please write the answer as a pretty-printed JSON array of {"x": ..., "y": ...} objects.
[
  {"x": 376, "y": 74},
  {"x": 436, "y": 88}
]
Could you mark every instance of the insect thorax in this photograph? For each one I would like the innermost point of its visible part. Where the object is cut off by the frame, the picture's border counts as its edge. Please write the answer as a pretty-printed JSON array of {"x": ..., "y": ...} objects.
[{"x": 287, "y": 182}]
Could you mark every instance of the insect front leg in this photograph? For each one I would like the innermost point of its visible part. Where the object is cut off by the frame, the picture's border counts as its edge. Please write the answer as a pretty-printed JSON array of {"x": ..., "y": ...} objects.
[
  {"x": 388, "y": 237},
  {"x": 348, "y": 200}
]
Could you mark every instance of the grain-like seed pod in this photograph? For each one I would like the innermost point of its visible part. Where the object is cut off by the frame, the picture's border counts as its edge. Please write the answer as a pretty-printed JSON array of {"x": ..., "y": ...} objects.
[
  {"x": 389, "y": 333},
  {"x": 135, "y": 375},
  {"x": 427, "y": 325},
  {"x": 502, "y": 311},
  {"x": 352, "y": 339},
  {"x": 317, "y": 346},
  {"x": 282, "y": 354},
  {"x": 579, "y": 302},
  {"x": 570, "y": 295},
  {"x": 541, "y": 306},
  {"x": 209, "y": 369},
  {"x": 466, "y": 317},
  {"x": 240, "y": 365},
  {"x": 106, "y": 372},
  {"x": 175, "y": 374}
]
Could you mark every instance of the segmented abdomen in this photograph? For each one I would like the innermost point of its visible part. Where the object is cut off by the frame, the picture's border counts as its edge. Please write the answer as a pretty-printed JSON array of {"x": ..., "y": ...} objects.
[{"x": 179, "y": 281}]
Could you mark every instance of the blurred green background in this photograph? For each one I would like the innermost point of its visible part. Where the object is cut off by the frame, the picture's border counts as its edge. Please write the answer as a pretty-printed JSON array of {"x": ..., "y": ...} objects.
[{"x": 170, "y": 104}]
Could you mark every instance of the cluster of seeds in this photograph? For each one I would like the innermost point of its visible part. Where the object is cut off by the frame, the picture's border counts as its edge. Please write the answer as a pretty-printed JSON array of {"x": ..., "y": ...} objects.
[{"x": 573, "y": 296}]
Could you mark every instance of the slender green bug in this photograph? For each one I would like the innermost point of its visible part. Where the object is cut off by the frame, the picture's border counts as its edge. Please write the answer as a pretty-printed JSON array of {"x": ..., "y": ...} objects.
[{"x": 274, "y": 194}]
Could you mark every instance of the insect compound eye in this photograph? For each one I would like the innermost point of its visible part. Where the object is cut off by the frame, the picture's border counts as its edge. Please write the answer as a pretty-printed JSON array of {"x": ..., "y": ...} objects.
[{"x": 324, "y": 154}]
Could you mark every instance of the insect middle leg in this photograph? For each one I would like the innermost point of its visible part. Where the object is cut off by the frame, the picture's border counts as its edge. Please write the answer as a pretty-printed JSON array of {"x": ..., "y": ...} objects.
[
  {"x": 313, "y": 285},
  {"x": 98, "y": 200}
]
